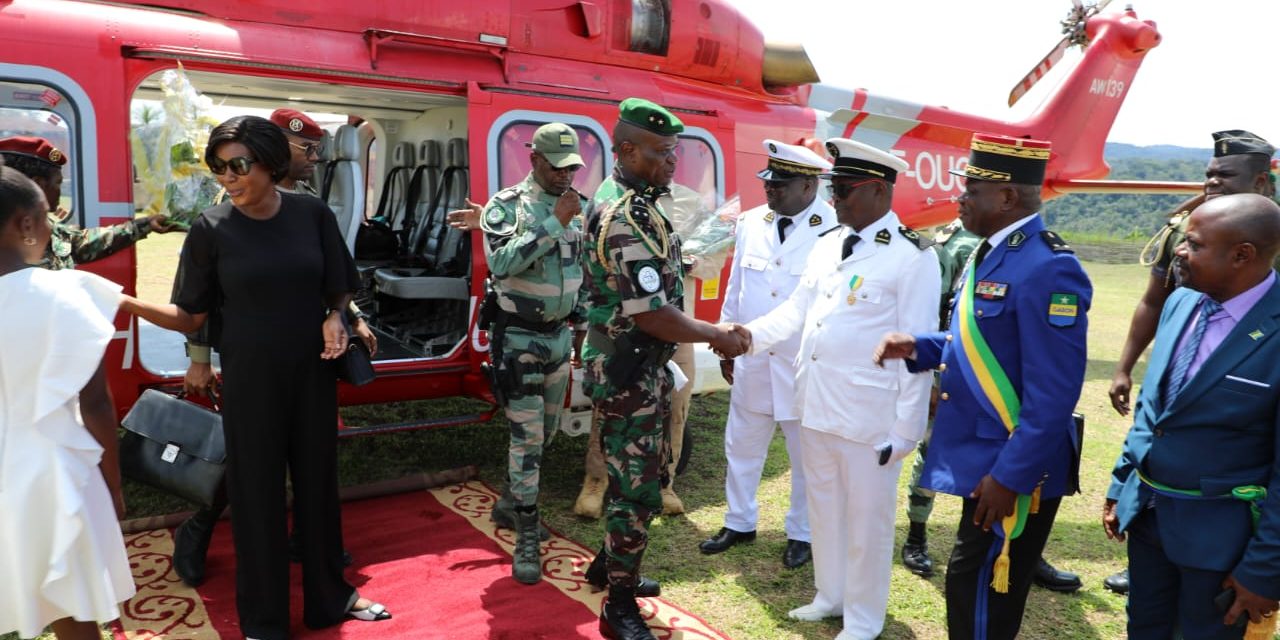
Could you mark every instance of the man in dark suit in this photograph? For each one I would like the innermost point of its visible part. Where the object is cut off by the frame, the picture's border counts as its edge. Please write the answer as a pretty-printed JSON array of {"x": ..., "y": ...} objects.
[
  {"x": 1011, "y": 369},
  {"x": 1197, "y": 487}
]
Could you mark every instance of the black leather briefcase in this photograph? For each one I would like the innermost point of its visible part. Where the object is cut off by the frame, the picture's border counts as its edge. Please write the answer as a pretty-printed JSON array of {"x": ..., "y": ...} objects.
[{"x": 175, "y": 446}]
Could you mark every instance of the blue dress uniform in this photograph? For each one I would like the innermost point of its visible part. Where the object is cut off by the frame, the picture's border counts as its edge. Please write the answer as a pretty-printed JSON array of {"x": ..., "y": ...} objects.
[{"x": 1030, "y": 299}]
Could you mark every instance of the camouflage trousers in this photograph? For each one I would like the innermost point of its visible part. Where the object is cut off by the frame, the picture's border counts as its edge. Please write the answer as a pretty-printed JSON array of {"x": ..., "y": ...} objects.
[
  {"x": 920, "y": 500},
  {"x": 634, "y": 428},
  {"x": 537, "y": 364}
]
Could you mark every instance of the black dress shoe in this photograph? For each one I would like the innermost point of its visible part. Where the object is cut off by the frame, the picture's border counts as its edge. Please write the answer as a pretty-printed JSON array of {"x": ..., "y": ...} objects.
[
  {"x": 1118, "y": 582},
  {"x": 620, "y": 618},
  {"x": 796, "y": 554},
  {"x": 724, "y": 539},
  {"x": 597, "y": 577},
  {"x": 1046, "y": 576},
  {"x": 915, "y": 557},
  {"x": 191, "y": 546}
]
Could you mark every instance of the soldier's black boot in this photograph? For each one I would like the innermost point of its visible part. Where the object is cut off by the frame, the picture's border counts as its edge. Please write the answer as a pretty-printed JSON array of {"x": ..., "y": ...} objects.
[
  {"x": 526, "y": 565},
  {"x": 597, "y": 576},
  {"x": 504, "y": 515},
  {"x": 191, "y": 545},
  {"x": 915, "y": 552},
  {"x": 620, "y": 619}
]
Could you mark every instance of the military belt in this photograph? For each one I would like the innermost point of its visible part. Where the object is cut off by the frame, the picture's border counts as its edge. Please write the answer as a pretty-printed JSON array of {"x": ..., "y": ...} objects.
[{"x": 513, "y": 320}]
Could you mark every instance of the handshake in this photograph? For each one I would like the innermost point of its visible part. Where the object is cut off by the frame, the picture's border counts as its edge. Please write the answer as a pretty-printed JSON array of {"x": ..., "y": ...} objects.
[{"x": 731, "y": 340}]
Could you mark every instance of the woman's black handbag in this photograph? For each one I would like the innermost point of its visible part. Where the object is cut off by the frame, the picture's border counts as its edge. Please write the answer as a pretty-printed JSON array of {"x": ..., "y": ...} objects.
[
  {"x": 356, "y": 365},
  {"x": 175, "y": 446}
]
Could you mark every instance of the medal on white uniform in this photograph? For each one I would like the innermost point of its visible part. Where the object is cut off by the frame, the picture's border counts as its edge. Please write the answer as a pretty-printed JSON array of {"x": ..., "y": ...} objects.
[{"x": 855, "y": 283}]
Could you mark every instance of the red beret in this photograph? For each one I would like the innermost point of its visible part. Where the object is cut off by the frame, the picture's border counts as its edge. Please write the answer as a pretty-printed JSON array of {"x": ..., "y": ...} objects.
[
  {"x": 297, "y": 123},
  {"x": 33, "y": 147}
]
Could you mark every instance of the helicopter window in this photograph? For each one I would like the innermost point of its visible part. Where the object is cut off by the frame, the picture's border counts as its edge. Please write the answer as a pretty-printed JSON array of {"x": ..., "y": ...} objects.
[
  {"x": 696, "y": 168},
  {"x": 41, "y": 111},
  {"x": 513, "y": 156}
]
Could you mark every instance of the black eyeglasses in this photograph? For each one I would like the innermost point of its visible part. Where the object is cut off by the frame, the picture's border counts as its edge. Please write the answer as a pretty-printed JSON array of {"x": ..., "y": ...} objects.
[
  {"x": 780, "y": 184},
  {"x": 841, "y": 190},
  {"x": 308, "y": 148},
  {"x": 240, "y": 165}
]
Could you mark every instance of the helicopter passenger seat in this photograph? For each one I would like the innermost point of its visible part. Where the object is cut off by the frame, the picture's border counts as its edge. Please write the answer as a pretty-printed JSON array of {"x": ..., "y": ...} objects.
[
  {"x": 432, "y": 281},
  {"x": 346, "y": 195}
]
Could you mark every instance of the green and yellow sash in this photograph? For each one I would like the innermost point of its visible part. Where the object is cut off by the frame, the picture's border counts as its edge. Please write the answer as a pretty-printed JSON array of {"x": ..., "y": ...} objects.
[{"x": 993, "y": 391}]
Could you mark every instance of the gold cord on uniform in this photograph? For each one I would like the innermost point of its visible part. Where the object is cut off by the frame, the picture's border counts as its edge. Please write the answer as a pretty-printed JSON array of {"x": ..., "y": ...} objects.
[{"x": 606, "y": 219}]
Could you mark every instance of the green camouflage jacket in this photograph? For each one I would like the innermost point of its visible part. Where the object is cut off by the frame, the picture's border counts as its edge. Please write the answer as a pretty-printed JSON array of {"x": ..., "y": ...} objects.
[
  {"x": 633, "y": 265},
  {"x": 535, "y": 261},
  {"x": 70, "y": 245}
]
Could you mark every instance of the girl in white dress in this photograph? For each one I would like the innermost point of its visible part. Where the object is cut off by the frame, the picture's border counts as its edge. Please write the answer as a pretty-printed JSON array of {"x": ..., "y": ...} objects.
[{"x": 62, "y": 558}]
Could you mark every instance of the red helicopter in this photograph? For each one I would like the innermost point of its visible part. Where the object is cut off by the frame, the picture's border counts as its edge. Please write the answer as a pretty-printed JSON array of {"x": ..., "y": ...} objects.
[{"x": 430, "y": 102}]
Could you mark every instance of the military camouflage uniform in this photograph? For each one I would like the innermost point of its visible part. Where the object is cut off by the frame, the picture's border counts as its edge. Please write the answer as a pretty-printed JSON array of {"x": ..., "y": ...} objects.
[
  {"x": 537, "y": 271},
  {"x": 954, "y": 245},
  {"x": 633, "y": 265},
  {"x": 70, "y": 245}
]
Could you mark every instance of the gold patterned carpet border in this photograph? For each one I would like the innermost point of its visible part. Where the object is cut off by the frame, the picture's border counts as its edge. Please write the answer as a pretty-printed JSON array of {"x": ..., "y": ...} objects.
[
  {"x": 163, "y": 606},
  {"x": 564, "y": 563}
]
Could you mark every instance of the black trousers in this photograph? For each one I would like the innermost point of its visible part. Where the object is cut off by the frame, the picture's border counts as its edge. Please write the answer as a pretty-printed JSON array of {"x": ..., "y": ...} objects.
[
  {"x": 280, "y": 413},
  {"x": 974, "y": 610}
]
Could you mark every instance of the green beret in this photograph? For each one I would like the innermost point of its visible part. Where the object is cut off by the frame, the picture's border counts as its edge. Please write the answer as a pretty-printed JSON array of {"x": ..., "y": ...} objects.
[{"x": 649, "y": 116}]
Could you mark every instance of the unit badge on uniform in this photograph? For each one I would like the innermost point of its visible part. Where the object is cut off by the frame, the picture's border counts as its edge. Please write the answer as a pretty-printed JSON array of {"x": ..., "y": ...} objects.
[
  {"x": 295, "y": 125},
  {"x": 496, "y": 216},
  {"x": 768, "y": 217},
  {"x": 1256, "y": 334},
  {"x": 1017, "y": 238},
  {"x": 54, "y": 156},
  {"x": 1063, "y": 309},
  {"x": 989, "y": 290},
  {"x": 815, "y": 220},
  {"x": 883, "y": 236},
  {"x": 648, "y": 279}
]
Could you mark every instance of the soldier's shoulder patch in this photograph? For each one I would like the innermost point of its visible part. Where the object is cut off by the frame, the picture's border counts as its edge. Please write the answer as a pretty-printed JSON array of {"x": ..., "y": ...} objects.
[
  {"x": 1063, "y": 309},
  {"x": 916, "y": 239},
  {"x": 498, "y": 220},
  {"x": 1055, "y": 242},
  {"x": 1016, "y": 239},
  {"x": 883, "y": 236},
  {"x": 646, "y": 276},
  {"x": 768, "y": 217},
  {"x": 815, "y": 220}
]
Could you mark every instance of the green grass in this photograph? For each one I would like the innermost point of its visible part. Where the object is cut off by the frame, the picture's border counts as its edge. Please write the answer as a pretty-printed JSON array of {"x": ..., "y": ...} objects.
[{"x": 744, "y": 591}]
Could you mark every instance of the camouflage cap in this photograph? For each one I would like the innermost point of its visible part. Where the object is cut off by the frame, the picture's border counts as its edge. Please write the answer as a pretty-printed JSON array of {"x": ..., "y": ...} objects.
[
  {"x": 650, "y": 116},
  {"x": 558, "y": 143}
]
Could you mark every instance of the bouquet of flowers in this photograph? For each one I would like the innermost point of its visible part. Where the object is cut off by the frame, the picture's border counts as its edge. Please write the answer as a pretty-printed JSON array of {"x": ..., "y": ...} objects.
[
  {"x": 168, "y": 153},
  {"x": 715, "y": 233}
]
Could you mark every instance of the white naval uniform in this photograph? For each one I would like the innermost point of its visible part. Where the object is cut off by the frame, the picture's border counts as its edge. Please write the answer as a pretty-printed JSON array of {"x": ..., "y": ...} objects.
[
  {"x": 847, "y": 405},
  {"x": 762, "y": 276}
]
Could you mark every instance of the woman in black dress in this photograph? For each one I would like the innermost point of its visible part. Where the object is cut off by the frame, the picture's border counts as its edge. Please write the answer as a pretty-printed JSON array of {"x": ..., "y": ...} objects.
[{"x": 276, "y": 267}]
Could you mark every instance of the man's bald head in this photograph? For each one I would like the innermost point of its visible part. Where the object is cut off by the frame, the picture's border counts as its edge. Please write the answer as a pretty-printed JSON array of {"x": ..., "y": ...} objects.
[
  {"x": 1231, "y": 243},
  {"x": 1247, "y": 217}
]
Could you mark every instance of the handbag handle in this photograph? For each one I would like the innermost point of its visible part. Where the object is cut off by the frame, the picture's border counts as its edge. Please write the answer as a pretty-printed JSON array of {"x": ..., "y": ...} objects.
[{"x": 215, "y": 398}]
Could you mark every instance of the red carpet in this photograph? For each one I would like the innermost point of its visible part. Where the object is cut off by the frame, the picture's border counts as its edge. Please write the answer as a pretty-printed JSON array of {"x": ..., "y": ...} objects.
[{"x": 432, "y": 558}]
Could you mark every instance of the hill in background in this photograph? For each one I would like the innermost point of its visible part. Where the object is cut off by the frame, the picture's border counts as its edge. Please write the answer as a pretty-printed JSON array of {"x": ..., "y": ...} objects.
[{"x": 1129, "y": 216}]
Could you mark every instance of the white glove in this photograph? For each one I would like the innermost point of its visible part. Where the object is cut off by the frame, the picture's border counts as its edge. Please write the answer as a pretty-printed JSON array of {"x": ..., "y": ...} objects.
[{"x": 894, "y": 449}]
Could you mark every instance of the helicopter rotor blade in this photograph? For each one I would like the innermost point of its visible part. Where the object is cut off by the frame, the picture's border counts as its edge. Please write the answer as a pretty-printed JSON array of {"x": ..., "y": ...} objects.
[{"x": 1024, "y": 85}]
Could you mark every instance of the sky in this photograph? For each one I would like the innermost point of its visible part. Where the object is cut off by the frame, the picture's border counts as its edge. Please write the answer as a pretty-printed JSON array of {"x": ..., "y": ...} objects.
[{"x": 1215, "y": 69}]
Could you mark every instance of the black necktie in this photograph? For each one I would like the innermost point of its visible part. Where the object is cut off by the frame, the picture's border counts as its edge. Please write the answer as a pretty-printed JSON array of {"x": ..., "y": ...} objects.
[
  {"x": 983, "y": 250},
  {"x": 783, "y": 223},
  {"x": 847, "y": 248}
]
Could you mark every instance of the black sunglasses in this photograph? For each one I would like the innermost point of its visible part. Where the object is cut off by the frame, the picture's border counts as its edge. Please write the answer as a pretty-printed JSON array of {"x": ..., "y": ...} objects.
[
  {"x": 240, "y": 165},
  {"x": 308, "y": 148},
  {"x": 841, "y": 190}
]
